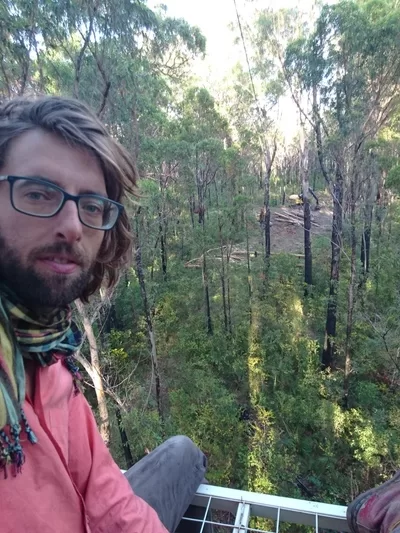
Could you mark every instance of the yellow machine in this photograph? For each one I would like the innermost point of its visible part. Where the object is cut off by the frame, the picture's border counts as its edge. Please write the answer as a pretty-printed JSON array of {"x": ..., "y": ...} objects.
[{"x": 295, "y": 199}]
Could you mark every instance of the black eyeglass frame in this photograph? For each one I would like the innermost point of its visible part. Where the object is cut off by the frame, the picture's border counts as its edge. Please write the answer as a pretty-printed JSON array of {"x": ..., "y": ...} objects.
[{"x": 66, "y": 197}]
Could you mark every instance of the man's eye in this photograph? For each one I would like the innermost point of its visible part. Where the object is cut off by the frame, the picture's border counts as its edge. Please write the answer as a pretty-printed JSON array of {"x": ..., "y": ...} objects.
[
  {"x": 94, "y": 209},
  {"x": 36, "y": 195}
]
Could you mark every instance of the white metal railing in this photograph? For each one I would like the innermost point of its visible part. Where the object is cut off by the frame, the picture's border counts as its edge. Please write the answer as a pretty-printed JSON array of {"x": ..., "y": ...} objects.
[
  {"x": 242, "y": 506},
  {"x": 238, "y": 507}
]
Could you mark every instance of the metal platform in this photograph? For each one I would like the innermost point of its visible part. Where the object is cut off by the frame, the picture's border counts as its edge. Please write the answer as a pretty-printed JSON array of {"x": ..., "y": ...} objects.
[{"x": 230, "y": 510}]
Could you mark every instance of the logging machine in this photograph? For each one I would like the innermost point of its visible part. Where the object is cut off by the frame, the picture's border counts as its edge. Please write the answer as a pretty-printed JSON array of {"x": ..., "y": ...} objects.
[{"x": 297, "y": 199}]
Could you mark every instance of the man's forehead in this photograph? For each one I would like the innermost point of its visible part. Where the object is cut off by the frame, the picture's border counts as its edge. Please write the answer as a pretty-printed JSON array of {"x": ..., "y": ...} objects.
[{"x": 37, "y": 153}]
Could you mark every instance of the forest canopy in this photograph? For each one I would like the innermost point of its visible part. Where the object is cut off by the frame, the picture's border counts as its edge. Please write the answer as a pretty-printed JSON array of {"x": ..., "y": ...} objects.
[{"x": 260, "y": 315}]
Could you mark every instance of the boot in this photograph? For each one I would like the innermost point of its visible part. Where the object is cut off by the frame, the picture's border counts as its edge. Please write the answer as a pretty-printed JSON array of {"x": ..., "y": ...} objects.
[{"x": 377, "y": 510}]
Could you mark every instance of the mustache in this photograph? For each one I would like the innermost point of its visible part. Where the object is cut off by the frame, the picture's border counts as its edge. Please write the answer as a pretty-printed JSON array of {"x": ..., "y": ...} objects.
[{"x": 60, "y": 248}]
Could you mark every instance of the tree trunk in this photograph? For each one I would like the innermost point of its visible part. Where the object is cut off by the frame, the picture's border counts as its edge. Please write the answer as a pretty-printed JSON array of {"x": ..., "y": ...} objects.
[
  {"x": 228, "y": 283},
  {"x": 267, "y": 218},
  {"x": 249, "y": 280},
  {"x": 95, "y": 374},
  {"x": 351, "y": 292},
  {"x": 223, "y": 277},
  {"x": 162, "y": 217},
  {"x": 307, "y": 245},
  {"x": 162, "y": 243},
  {"x": 328, "y": 353},
  {"x": 200, "y": 190},
  {"x": 366, "y": 236},
  {"x": 81, "y": 55},
  {"x": 149, "y": 322},
  {"x": 269, "y": 161},
  {"x": 207, "y": 295},
  {"x": 124, "y": 440},
  {"x": 304, "y": 171},
  {"x": 191, "y": 209},
  {"x": 366, "y": 248},
  {"x": 380, "y": 221}
]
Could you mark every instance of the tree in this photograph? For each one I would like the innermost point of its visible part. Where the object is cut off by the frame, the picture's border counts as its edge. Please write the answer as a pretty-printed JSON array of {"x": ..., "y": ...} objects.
[
  {"x": 354, "y": 90},
  {"x": 94, "y": 370},
  {"x": 305, "y": 186}
]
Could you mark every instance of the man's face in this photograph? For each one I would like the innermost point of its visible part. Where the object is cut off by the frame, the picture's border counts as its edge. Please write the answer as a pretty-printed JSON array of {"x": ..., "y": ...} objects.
[{"x": 48, "y": 262}]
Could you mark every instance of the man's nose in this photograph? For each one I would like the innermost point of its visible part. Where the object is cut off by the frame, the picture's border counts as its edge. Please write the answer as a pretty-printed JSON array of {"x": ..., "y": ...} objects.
[{"x": 67, "y": 225}]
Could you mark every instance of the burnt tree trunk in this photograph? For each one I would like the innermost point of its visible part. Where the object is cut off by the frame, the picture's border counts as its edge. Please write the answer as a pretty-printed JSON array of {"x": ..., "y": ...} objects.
[
  {"x": 366, "y": 247},
  {"x": 351, "y": 292},
  {"x": 207, "y": 296},
  {"x": 304, "y": 170},
  {"x": 191, "y": 209},
  {"x": 223, "y": 276},
  {"x": 269, "y": 161},
  {"x": 201, "y": 190},
  {"x": 124, "y": 440},
  {"x": 162, "y": 235},
  {"x": 328, "y": 352},
  {"x": 379, "y": 217},
  {"x": 165, "y": 172},
  {"x": 249, "y": 280},
  {"x": 368, "y": 216},
  {"x": 228, "y": 284},
  {"x": 328, "y": 355},
  {"x": 307, "y": 245}
]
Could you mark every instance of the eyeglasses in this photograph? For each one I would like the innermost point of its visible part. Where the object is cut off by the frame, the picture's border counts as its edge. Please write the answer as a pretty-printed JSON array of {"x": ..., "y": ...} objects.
[{"x": 41, "y": 198}]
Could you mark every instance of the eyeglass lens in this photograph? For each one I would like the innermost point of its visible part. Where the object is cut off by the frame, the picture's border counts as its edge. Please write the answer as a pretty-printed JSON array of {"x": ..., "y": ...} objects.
[{"x": 44, "y": 200}]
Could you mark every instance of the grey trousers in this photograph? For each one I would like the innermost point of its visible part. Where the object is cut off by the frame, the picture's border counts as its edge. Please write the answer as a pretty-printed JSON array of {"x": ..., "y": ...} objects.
[{"x": 167, "y": 479}]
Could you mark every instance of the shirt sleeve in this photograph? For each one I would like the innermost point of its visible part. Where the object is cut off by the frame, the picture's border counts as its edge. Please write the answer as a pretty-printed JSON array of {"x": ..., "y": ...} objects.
[{"x": 111, "y": 505}]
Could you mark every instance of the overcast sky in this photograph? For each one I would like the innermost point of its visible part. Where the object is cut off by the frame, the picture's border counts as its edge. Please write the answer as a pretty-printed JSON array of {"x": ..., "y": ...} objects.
[{"x": 213, "y": 18}]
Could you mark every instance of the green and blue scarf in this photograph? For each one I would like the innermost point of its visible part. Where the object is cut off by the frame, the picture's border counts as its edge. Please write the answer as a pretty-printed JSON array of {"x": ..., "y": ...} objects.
[{"x": 43, "y": 339}]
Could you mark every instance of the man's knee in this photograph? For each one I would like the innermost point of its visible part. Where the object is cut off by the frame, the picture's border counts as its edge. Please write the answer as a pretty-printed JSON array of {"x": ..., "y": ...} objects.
[{"x": 184, "y": 447}]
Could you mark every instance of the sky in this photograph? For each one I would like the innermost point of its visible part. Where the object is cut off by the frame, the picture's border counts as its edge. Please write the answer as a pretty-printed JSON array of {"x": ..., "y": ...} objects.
[{"x": 213, "y": 17}]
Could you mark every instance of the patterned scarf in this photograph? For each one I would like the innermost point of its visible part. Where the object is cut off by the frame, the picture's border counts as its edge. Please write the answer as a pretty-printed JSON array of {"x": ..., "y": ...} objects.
[{"x": 41, "y": 339}]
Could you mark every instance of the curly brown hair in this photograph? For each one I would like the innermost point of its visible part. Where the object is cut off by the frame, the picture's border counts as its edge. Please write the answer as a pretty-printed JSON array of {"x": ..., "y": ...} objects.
[{"x": 74, "y": 122}]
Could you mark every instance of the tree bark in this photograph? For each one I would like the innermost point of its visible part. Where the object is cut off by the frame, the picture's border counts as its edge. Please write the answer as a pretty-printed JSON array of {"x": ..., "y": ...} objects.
[
  {"x": 269, "y": 157},
  {"x": 329, "y": 349},
  {"x": 223, "y": 276},
  {"x": 351, "y": 292},
  {"x": 307, "y": 244},
  {"x": 163, "y": 249},
  {"x": 79, "y": 60},
  {"x": 149, "y": 322},
  {"x": 124, "y": 440},
  {"x": 207, "y": 295},
  {"x": 191, "y": 209},
  {"x": 228, "y": 284},
  {"x": 304, "y": 171},
  {"x": 328, "y": 353},
  {"x": 249, "y": 279},
  {"x": 368, "y": 216},
  {"x": 95, "y": 374},
  {"x": 162, "y": 218}
]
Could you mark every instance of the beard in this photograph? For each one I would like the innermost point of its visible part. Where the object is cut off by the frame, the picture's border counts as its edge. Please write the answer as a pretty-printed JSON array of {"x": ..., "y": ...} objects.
[{"x": 34, "y": 289}]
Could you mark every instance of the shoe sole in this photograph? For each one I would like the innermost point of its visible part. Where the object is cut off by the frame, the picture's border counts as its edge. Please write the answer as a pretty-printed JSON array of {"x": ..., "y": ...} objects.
[{"x": 354, "y": 508}]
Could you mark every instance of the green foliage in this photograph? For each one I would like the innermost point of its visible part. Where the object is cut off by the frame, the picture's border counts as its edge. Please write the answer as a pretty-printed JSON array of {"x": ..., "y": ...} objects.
[{"x": 250, "y": 392}]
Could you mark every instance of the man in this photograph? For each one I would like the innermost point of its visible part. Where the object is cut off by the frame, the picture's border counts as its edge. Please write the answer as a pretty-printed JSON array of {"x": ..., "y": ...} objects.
[{"x": 64, "y": 233}]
